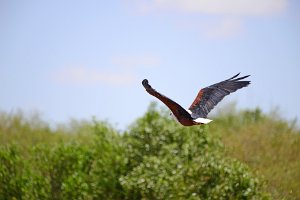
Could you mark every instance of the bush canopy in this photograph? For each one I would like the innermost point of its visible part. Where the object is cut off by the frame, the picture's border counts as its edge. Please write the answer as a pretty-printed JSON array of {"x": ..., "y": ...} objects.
[{"x": 155, "y": 158}]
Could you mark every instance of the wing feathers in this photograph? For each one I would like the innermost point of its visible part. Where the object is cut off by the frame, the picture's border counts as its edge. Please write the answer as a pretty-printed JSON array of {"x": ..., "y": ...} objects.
[
  {"x": 242, "y": 78},
  {"x": 234, "y": 76},
  {"x": 172, "y": 105},
  {"x": 210, "y": 96}
]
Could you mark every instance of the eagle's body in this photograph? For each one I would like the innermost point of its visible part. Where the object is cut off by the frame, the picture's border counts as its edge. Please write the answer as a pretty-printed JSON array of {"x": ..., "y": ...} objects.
[{"x": 204, "y": 102}]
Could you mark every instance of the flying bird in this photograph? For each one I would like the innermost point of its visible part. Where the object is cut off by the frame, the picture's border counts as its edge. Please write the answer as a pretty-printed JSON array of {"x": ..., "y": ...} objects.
[{"x": 204, "y": 102}]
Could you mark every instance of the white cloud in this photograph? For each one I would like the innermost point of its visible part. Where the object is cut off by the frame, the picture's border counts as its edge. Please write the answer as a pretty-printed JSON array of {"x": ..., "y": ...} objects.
[
  {"x": 92, "y": 76},
  {"x": 230, "y": 13},
  {"x": 227, "y": 7}
]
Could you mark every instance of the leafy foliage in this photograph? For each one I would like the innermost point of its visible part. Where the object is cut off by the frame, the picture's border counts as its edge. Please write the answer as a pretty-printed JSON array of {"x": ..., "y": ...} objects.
[
  {"x": 175, "y": 162},
  {"x": 267, "y": 144},
  {"x": 12, "y": 178},
  {"x": 155, "y": 158}
]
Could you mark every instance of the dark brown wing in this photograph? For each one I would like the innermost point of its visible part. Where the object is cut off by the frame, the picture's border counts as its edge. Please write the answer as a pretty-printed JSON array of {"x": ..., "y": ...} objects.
[
  {"x": 172, "y": 105},
  {"x": 210, "y": 96}
]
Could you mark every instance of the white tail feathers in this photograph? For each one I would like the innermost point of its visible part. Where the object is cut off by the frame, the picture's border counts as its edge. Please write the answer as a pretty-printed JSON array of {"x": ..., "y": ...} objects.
[{"x": 202, "y": 120}]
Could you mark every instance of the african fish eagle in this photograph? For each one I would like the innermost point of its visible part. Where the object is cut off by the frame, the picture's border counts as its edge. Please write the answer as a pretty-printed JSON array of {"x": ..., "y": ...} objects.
[{"x": 204, "y": 102}]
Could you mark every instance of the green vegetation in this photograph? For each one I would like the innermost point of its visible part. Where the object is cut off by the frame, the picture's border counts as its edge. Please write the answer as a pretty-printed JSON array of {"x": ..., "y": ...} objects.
[
  {"x": 244, "y": 155},
  {"x": 268, "y": 144}
]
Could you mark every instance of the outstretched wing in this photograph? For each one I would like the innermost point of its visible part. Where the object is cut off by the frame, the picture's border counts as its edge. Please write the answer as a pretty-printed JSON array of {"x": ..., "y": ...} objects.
[
  {"x": 210, "y": 96},
  {"x": 172, "y": 105}
]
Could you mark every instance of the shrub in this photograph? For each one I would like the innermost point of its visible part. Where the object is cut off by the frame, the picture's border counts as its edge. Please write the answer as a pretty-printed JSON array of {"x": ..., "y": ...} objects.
[
  {"x": 168, "y": 161},
  {"x": 12, "y": 177},
  {"x": 154, "y": 159}
]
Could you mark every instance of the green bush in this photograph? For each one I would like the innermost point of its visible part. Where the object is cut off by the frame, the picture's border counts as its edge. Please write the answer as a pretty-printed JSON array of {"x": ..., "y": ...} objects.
[
  {"x": 267, "y": 143},
  {"x": 168, "y": 161},
  {"x": 154, "y": 159},
  {"x": 109, "y": 163},
  {"x": 12, "y": 173},
  {"x": 65, "y": 170}
]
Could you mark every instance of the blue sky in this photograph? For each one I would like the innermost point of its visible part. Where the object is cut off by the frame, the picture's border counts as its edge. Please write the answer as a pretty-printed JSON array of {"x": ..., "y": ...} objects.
[{"x": 78, "y": 59}]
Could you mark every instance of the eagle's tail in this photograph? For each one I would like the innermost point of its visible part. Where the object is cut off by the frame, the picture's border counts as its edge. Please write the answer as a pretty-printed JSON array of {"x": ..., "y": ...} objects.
[{"x": 202, "y": 120}]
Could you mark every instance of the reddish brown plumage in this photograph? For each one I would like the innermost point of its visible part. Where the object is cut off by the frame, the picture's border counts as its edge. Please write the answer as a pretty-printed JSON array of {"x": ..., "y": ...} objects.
[
  {"x": 180, "y": 113},
  {"x": 197, "y": 99}
]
